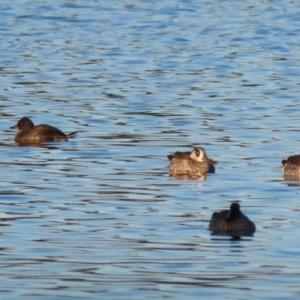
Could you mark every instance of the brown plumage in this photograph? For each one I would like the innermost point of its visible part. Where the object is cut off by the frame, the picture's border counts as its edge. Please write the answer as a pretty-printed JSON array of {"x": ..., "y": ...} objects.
[
  {"x": 291, "y": 167},
  {"x": 231, "y": 222},
  {"x": 30, "y": 134},
  {"x": 191, "y": 163}
]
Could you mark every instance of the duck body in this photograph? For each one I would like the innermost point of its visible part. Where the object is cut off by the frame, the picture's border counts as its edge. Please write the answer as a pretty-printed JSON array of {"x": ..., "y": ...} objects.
[
  {"x": 291, "y": 167},
  {"x": 30, "y": 134},
  {"x": 190, "y": 163},
  {"x": 231, "y": 222}
]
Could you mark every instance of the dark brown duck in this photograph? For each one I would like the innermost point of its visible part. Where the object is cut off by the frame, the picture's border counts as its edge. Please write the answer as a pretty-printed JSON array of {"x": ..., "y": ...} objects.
[
  {"x": 188, "y": 163},
  {"x": 30, "y": 134},
  {"x": 231, "y": 222},
  {"x": 291, "y": 167}
]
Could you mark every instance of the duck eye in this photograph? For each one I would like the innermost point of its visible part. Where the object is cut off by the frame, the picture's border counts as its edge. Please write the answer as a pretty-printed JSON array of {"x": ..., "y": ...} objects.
[{"x": 197, "y": 153}]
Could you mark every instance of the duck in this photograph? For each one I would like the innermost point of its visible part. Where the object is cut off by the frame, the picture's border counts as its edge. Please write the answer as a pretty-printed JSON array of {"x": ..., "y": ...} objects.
[
  {"x": 191, "y": 163},
  {"x": 28, "y": 133},
  {"x": 291, "y": 167},
  {"x": 231, "y": 222}
]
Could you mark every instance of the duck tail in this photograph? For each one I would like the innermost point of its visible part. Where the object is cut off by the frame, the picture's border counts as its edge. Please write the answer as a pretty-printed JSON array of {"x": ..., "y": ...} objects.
[
  {"x": 170, "y": 156},
  {"x": 72, "y": 134},
  {"x": 214, "y": 162}
]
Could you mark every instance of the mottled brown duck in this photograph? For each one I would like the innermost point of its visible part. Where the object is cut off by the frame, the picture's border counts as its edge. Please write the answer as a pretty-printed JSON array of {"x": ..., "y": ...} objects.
[
  {"x": 291, "y": 167},
  {"x": 191, "y": 163}
]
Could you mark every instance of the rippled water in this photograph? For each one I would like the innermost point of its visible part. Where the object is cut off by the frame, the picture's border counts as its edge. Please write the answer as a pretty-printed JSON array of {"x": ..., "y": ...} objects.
[{"x": 98, "y": 216}]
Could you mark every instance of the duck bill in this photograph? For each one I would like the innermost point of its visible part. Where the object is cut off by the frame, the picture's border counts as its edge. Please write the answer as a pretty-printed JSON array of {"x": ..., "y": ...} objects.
[{"x": 14, "y": 127}]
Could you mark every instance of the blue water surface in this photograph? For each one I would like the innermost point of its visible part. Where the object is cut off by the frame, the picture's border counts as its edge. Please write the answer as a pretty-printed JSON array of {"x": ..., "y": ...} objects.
[{"x": 98, "y": 217}]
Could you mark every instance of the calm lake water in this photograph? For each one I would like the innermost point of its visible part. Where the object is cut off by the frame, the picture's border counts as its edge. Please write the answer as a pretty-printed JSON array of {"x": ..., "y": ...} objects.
[{"x": 98, "y": 217}]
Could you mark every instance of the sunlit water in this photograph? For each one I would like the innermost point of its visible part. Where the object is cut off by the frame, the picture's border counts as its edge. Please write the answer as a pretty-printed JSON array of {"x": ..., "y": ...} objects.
[{"x": 98, "y": 217}]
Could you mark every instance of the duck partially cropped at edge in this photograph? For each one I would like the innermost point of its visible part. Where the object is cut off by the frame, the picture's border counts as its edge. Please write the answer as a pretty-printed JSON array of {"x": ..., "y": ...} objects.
[
  {"x": 231, "y": 222},
  {"x": 291, "y": 167},
  {"x": 30, "y": 134},
  {"x": 189, "y": 163}
]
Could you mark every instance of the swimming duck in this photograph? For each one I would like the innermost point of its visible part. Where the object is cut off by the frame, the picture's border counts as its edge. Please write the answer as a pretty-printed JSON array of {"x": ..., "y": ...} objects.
[
  {"x": 30, "y": 134},
  {"x": 231, "y": 222},
  {"x": 291, "y": 167},
  {"x": 190, "y": 163}
]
